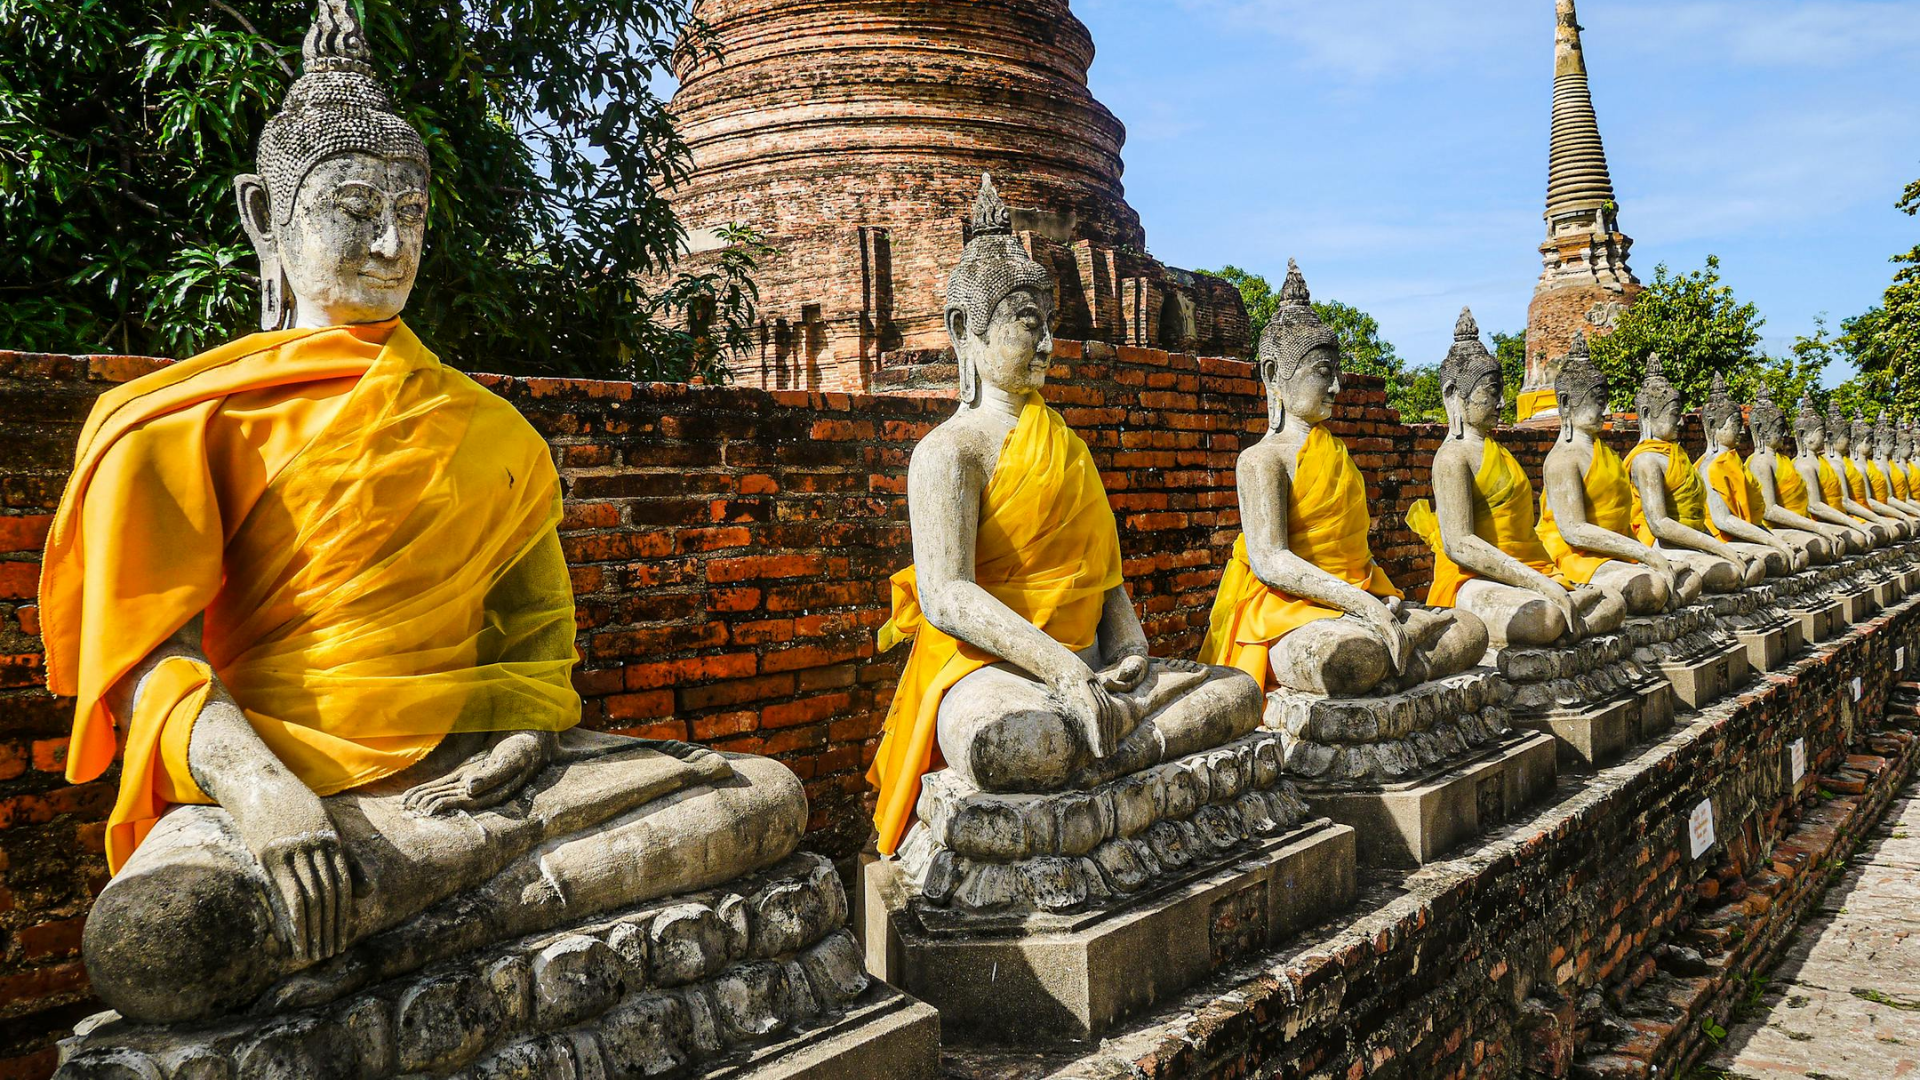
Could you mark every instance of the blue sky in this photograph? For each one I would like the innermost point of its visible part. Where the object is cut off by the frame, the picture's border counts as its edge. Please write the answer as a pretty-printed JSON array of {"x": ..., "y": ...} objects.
[{"x": 1397, "y": 148}]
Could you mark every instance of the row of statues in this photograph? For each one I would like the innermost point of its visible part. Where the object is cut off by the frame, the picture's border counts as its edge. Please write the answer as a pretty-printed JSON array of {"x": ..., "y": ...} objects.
[{"x": 308, "y": 588}]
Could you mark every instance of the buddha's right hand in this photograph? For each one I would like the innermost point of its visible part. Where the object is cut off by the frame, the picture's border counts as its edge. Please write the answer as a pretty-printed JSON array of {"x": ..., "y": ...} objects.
[
  {"x": 1101, "y": 715},
  {"x": 1393, "y": 633},
  {"x": 307, "y": 865}
]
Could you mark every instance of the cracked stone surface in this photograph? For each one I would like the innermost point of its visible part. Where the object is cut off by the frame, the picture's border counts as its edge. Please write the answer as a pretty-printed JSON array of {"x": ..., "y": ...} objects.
[{"x": 1844, "y": 1002}]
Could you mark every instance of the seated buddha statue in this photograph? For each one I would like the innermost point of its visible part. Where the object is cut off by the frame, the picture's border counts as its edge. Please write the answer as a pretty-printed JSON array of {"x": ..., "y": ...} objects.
[
  {"x": 1669, "y": 499},
  {"x": 1871, "y": 458},
  {"x": 1487, "y": 557},
  {"x": 1302, "y": 603},
  {"x": 1906, "y": 458},
  {"x": 1734, "y": 502},
  {"x": 1586, "y": 511},
  {"x": 1890, "y": 451},
  {"x": 1826, "y": 498},
  {"x": 1783, "y": 494},
  {"x": 1841, "y": 484},
  {"x": 1029, "y": 670},
  {"x": 310, "y": 584}
]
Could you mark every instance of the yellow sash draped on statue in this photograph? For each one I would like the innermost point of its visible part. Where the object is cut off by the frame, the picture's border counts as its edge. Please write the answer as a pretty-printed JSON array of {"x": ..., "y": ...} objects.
[
  {"x": 1609, "y": 502},
  {"x": 399, "y": 578},
  {"x": 1531, "y": 403},
  {"x": 1877, "y": 482},
  {"x": 1735, "y": 483},
  {"x": 1047, "y": 547},
  {"x": 1787, "y": 484},
  {"x": 1830, "y": 491},
  {"x": 1897, "y": 479},
  {"x": 1856, "y": 483},
  {"x": 1683, "y": 485},
  {"x": 1912, "y": 472},
  {"x": 1327, "y": 523},
  {"x": 1502, "y": 516}
]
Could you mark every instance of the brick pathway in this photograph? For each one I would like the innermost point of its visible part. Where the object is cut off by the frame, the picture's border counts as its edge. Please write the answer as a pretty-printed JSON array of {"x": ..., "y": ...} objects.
[{"x": 1844, "y": 1002}]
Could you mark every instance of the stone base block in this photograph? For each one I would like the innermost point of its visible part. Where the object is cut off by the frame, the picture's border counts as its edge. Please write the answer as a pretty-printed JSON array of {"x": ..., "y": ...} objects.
[
  {"x": 1657, "y": 710},
  {"x": 1886, "y": 593},
  {"x": 1910, "y": 580},
  {"x": 1768, "y": 649},
  {"x": 894, "y": 1036},
  {"x": 1077, "y": 979},
  {"x": 1855, "y": 606},
  {"x": 1591, "y": 738},
  {"x": 1819, "y": 621},
  {"x": 1410, "y": 824},
  {"x": 1700, "y": 681}
]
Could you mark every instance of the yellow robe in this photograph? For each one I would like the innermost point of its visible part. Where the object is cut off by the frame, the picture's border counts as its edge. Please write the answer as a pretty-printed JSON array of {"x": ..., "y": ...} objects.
[
  {"x": 1502, "y": 516},
  {"x": 1913, "y": 476},
  {"x": 1047, "y": 547},
  {"x": 1609, "y": 502},
  {"x": 1856, "y": 483},
  {"x": 1877, "y": 482},
  {"x": 1327, "y": 523},
  {"x": 1683, "y": 484},
  {"x": 1532, "y": 403},
  {"x": 1737, "y": 487},
  {"x": 1830, "y": 485},
  {"x": 1897, "y": 478},
  {"x": 1787, "y": 485},
  {"x": 369, "y": 535}
]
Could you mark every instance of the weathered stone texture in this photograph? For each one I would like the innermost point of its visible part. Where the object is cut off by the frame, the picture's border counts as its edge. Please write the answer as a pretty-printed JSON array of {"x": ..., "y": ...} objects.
[{"x": 853, "y": 133}]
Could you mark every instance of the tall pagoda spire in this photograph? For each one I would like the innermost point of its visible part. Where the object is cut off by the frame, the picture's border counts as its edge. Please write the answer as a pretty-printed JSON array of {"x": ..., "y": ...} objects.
[
  {"x": 1585, "y": 282},
  {"x": 1577, "y": 178}
]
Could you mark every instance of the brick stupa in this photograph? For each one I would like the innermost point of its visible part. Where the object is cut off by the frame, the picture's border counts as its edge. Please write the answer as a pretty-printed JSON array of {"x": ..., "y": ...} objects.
[
  {"x": 852, "y": 134},
  {"x": 1586, "y": 282}
]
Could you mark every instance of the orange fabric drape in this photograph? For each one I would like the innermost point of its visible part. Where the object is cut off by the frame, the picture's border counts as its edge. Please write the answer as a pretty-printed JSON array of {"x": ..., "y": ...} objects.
[
  {"x": 1830, "y": 489},
  {"x": 369, "y": 534},
  {"x": 1856, "y": 483},
  {"x": 1531, "y": 403},
  {"x": 1608, "y": 498},
  {"x": 1683, "y": 484},
  {"x": 1327, "y": 522},
  {"x": 1877, "y": 482},
  {"x": 1787, "y": 485},
  {"x": 1730, "y": 477},
  {"x": 1047, "y": 547},
  {"x": 1897, "y": 478},
  {"x": 1503, "y": 515}
]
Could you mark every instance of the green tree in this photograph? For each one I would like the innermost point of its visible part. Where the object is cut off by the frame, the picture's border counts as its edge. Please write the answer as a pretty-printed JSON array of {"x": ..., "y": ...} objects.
[
  {"x": 1883, "y": 342},
  {"x": 1415, "y": 394},
  {"x": 123, "y": 124},
  {"x": 1511, "y": 350},
  {"x": 1696, "y": 325}
]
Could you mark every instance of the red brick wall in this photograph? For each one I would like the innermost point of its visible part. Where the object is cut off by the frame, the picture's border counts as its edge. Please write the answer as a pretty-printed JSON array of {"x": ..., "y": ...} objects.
[{"x": 730, "y": 550}]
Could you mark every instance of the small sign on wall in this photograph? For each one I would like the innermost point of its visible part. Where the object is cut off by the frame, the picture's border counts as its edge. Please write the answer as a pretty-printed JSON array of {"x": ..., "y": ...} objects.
[
  {"x": 1799, "y": 754},
  {"x": 1700, "y": 828},
  {"x": 1900, "y": 658},
  {"x": 1856, "y": 688}
]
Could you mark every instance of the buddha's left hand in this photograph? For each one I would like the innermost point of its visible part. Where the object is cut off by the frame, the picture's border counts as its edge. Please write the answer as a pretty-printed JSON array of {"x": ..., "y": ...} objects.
[
  {"x": 488, "y": 778},
  {"x": 1125, "y": 676}
]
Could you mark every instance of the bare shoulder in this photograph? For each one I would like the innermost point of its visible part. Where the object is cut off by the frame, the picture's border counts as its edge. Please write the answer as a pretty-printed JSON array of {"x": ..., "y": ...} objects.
[
  {"x": 1454, "y": 455},
  {"x": 958, "y": 449}
]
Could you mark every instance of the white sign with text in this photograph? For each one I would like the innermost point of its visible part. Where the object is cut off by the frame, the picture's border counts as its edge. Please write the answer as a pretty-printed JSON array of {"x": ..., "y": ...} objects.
[
  {"x": 1700, "y": 828},
  {"x": 1799, "y": 759},
  {"x": 1856, "y": 688}
]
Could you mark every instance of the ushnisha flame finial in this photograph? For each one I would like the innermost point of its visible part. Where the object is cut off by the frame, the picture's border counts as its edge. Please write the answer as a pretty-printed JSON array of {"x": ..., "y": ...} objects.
[
  {"x": 1578, "y": 375},
  {"x": 1295, "y": 330},
  {"x": 1468, "y": 361},
  {"x": 994, "y": 263},
  {"x": 990, "y": 214},
  {"x": 1655, "y": 390},
  {"x": 1720, "y": 406}
]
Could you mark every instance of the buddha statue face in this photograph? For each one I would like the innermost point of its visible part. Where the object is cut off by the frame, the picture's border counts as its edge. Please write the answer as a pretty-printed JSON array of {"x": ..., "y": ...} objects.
[
  {"x": 350, "y": 245},
  {"x": 1768, "y": 431},
  {"x": 1840, "y": 439},
  {"x": 1811, "y": 433},
  {"x": 1727, "y": 434},
  {"x": 1479, "y": 407},
  {"x": 1012, "y": 352},
  {"x": 1587, "y": 412},
  {"x": 1902, "y": 443},
  {"x": 1658, "y": 404},
  {"x": 1308, "y": 395},
  {"x": 1471, "y": 387}
]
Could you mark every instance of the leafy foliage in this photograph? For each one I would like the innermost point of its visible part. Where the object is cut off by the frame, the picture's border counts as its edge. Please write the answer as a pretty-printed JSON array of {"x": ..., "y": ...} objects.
[
  {"x": 1259, "y": 295},
  {"x": 1883, "y": 342},
  {"x": 1511, "y": 350},
  {"x": 1696, "y": 325},
  {"x": 123, "y": 123}
]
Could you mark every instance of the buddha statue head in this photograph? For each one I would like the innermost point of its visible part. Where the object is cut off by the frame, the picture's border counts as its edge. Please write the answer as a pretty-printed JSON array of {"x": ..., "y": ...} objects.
[
  {"x": 1658, "y": 403},
  {"x": 1764, "y": 419},
  {"x": 1581, "y": 389},
  {"x": 1470, "y": 383},
  {"x": 1809, "y": 430},
  {"x": 1860, "y": 436},
  {"x": 1902, "y": 440},
  {"x": 999, "y": 306},
  {"x": 1721, "y": 415},
  {"x": 338, "y": 210},
  {"x": 1883, "y": 437},
  {"x": 1839, "y": 431},
  {"x": 1299, "y": 358}
]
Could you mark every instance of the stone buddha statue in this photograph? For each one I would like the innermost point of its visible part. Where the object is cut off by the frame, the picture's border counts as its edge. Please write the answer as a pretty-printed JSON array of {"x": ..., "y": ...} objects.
[
  {"x": 1303, "y": 604},
  {"x": 1670, "y": 500},
  {"x": 1488, "y": 557},
  {"x": 1889, "y": 459},
  {"x": 1735, "y": 506},
  {"x": 1842, "y": 484},
  {"x": 1824, "y": 491},
  {"x": 1870, "y": 460},
  {"x": 1029, "y": 670},
  {"x": 311, "y": 582},
  {"x": 1586, "y": 513},
  {"x": 1783, "y": 493},
  {"x": 1905, "y": 449}
]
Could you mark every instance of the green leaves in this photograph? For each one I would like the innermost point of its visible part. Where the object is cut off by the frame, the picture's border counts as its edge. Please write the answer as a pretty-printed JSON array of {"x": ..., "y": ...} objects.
[
  {"x": 1696, "y": 325},
  {"x": 123, "y": 123}
]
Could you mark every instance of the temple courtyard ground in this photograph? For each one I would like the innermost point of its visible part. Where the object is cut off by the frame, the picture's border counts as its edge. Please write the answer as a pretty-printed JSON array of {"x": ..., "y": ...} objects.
[{"x": 1844, "y": 1003}]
